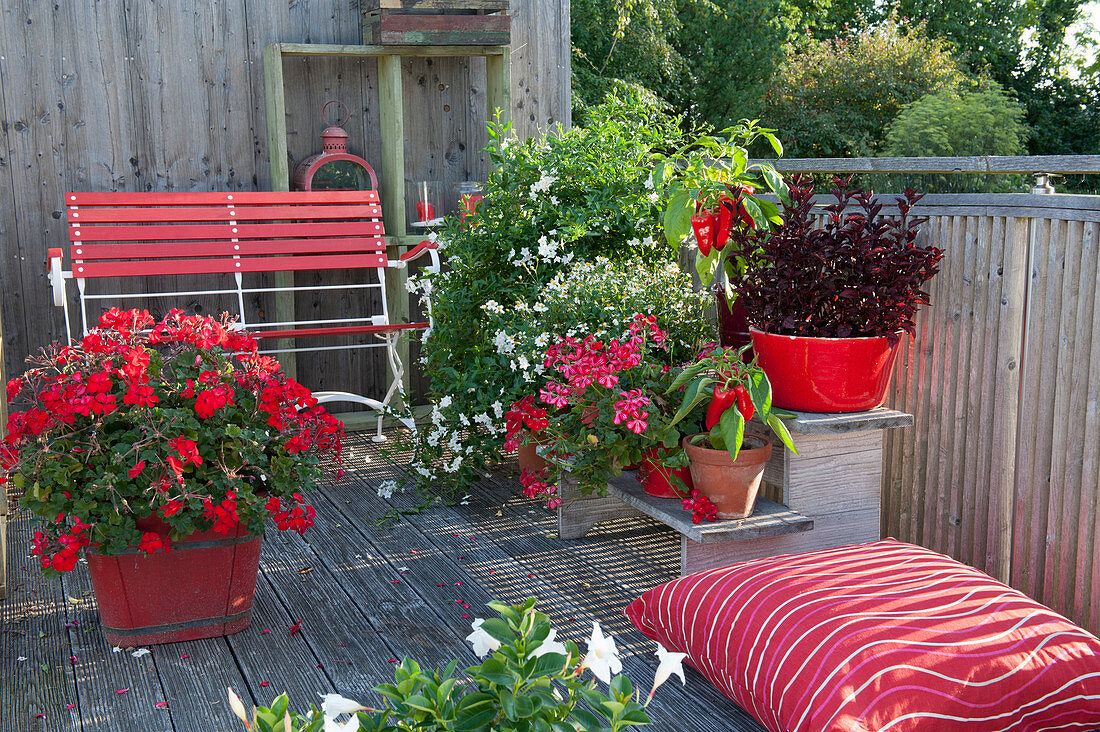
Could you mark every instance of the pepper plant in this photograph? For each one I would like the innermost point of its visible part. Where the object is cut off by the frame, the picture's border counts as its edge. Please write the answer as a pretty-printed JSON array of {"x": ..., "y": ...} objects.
[
  {"x": 712, "y": 190},
  {"x": 734, "y": 392}
]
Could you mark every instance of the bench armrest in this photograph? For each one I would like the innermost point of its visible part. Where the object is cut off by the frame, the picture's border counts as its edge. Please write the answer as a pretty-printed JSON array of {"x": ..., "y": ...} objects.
[
  {"x": 428, "y": 247},
  {"x": 56, "y": 276}
]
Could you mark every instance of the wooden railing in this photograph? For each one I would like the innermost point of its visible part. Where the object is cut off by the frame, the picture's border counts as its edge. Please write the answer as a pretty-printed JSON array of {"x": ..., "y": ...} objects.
[{"x": 1002, "y": 467}]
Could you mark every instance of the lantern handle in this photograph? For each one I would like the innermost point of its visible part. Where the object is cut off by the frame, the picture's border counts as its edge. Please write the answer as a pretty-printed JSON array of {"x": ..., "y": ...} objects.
[{"x": 347, "y": 116}]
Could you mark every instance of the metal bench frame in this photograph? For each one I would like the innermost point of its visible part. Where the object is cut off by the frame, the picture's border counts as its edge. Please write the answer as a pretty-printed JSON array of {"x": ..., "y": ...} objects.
[{"x": 117, "y": 235}]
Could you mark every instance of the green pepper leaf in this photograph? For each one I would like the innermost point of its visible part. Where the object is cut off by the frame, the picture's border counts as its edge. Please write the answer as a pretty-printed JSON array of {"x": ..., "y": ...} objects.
[
  {"x": 732, "y": 426},
  {"x": 780, "y": 430}
]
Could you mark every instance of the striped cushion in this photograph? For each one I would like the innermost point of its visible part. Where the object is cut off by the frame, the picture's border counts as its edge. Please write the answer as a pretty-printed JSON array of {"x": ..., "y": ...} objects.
[{"x": 881, "y": 636}]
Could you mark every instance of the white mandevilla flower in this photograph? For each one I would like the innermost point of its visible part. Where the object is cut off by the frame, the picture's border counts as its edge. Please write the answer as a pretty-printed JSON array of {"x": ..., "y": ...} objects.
[
  {"x": 668, "y": 663},
  {"x": 550, "y": 646},
  {"x": 334, "y": 705},
  {"x": 482, "y": 642},
  {"x": 237, "y": 707},
  {"x": 602, "y": 658}
]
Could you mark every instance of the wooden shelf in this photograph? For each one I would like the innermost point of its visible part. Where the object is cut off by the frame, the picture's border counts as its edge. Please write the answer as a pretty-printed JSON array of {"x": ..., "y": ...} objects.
[{"x": 768, "y": 518}]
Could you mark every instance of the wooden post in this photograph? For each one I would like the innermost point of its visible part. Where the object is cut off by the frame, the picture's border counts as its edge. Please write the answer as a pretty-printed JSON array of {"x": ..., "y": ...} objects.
[
  {"x": 498, "y": 86},
  {"x": 391, "y": 106},
  {"x": 275, "y": 100}
]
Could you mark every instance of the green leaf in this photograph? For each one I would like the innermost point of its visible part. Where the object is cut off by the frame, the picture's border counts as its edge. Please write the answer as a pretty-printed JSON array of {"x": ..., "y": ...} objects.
[
  {"x": 717, "y": 440},
  {"x": 732, "y": 425},
  {"x": 677, "y": 220},
  {"x": 499, "y": 629},
  {"x": 753, "y": 209},
  {"x": 587, "y": 719},
  {"x": 780, "y": 430},
  {"x": 774, "y": 142},
  {"x": 771, "y": 212},
  {"x": 740, "y": 160},
  {"x": 695, "y": 394},
  {"x": 760, "y": 391},
  {"x": 686, "y": 375},
  {"x": 416, "y": 701},
  {"x": 620, "y": 687},
  {"x": 707, "y": 266}
]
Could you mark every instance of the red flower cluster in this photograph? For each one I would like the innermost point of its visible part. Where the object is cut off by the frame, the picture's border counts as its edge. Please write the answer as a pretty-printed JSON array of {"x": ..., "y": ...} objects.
[
  {"x": 152, "y": 542},
  {"x": 298, "y": 517},
  {"x": 523, "y": 414},
  {"x": 61, "y": 552},
  {"x": 700, "y": 507},
  {"x": 224, "y": 514},
  {"x": 535, "y": 484},
  {"x": 118, "y": 401}
]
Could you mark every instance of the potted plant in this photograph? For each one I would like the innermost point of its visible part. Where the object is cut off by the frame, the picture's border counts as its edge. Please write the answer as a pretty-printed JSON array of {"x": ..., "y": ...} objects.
[
  {"x": 606, "y": 402},
  {"x": 600, "y": 299},
  {"x": 711, "y": 189},
  {"x": 726, "y": 463},
  {"x": 158, "y": 453},
  {"x": 828, "y": 305}
]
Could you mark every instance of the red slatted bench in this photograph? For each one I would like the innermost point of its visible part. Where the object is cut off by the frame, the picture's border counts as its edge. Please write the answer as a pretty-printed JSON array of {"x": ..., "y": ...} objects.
[{"x": 235, "y": 237}]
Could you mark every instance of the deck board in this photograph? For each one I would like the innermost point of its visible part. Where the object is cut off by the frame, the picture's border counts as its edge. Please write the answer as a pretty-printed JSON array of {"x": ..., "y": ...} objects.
[{"x": 365, "y": 595}]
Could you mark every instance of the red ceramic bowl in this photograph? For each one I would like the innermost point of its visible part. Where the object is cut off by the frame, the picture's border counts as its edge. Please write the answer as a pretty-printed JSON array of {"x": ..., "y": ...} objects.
[{"x": 825, "y": 374}]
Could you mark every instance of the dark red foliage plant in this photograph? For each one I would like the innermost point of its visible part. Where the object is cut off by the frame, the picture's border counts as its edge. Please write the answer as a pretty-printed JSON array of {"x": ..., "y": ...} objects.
[{"x": 858, "y": 275}]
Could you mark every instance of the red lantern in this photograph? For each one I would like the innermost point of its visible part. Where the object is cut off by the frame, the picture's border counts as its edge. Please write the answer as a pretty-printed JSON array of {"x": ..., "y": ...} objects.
[{"x": 334, "y": 168}]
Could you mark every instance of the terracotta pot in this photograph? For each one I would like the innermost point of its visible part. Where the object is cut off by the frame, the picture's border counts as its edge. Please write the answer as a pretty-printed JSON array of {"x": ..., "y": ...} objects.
[
  {"x": 529, "y": 459},
  {"x": 657, "y": 480},
  {"x": 202, "y": 588},
  {"x": 733, "y": 324},
  {"x": 731, "y": 485},
  {"x": 826, "y": 374}
]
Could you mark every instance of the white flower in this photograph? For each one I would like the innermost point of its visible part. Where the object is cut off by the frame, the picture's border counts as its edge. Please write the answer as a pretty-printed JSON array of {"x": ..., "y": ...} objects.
[
  {"x": 523, "y": 363},
  {"x": 492, "y": 306},
  {"x": 445, "y": 402},
  {"x": 141, "y": 652},
  {"x": 334, "y": 705},
  {"x": 331, "y": 725},
  {"x": 386, "y": 488},
  {"x": 482, "y": 642},
  {"x": 554, "y": 200},
  {"x": 505, "y": 343},
  {"x": 602, "y": 658},
  {"x": 237, "y": 707},
  {"x": 648, "y": 182},
  {"x": 539, "y": 307},
  {"x": 668, "y": 663},
  {"x": 498, "y": 409},
  {"x": 547, "y": 248},
  {"x": 550, "y": 646},
  {"x": 543, "y": 184}
]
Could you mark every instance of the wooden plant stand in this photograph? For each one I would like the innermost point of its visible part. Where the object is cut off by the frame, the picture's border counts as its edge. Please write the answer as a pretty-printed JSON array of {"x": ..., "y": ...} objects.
[{"x": 828, "y": 495}]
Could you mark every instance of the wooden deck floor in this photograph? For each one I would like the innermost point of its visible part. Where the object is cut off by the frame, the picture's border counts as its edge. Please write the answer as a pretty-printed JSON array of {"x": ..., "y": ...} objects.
[{"x": 364, "y": 596}]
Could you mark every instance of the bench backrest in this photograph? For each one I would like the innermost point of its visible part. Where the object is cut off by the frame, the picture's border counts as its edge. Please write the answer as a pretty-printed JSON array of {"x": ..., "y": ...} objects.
[
  {"x": 144, "y": 234},
  {"x": 234, "y": 233}
]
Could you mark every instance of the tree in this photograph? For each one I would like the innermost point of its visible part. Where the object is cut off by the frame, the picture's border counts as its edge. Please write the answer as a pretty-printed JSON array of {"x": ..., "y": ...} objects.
[
  {"x": 983, "y": 120},
  {"x": 835, "y": 98}
]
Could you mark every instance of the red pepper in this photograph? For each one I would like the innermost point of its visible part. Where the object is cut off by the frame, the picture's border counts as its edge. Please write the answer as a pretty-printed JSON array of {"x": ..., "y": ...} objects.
[
  {"x": 746, "y": 219},
  {"x": 744, "y": 402},
  {"x": 725, "y": 220},
  {"x": 703, "y": 224},
  {"x": 719, "y": 403}
]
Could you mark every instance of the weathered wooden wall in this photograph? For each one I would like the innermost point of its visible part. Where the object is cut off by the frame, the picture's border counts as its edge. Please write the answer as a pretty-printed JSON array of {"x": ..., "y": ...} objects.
[
  {"x": 168, "y": 95},
  {"x": 1002, "y": 467}
]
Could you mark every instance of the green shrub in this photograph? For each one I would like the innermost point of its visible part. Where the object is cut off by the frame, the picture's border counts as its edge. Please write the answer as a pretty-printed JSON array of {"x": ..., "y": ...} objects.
[
  {"x": 549, "y": 203},
  {"x": 836, "y": 98},
  {"x": 983, "y": 120}
]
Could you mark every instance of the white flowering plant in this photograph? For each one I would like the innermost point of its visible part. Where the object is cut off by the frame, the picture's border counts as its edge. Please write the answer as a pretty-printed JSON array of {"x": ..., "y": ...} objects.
[
  {"x": 548, "y": 205},
  {"x": 528, "y": 680}
]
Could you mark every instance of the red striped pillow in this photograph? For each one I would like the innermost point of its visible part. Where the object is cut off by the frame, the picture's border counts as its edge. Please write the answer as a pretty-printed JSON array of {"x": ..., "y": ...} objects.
[{"x": 881, "y": 636}]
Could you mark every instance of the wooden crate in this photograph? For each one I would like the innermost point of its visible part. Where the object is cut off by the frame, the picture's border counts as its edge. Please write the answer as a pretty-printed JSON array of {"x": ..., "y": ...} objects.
[{"x": 436, "y": 22}]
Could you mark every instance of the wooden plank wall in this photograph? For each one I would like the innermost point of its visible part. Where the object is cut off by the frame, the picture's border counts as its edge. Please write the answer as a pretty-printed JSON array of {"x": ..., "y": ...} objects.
[
  {"x": 1001, "y": 468},
  {"x": 101, "y": 96}
]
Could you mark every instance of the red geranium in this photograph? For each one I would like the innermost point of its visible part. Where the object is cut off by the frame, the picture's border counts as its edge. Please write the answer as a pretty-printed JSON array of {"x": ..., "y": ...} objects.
[{"x": 181, "y": 418}]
